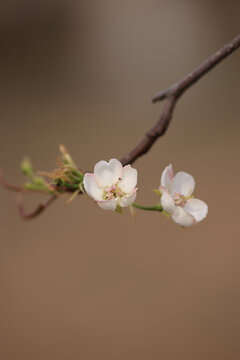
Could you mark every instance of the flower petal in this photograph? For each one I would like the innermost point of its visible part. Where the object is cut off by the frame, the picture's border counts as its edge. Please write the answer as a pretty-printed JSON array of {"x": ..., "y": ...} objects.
[
  {"x": 167, "y": 176},
  {"x": 127, "y": 200},
  {"x": 129, "y": 179},
  {"x": 183, "y": 183},
  {"x": 167, "y": 202},
  {"x": 117, "y": 168},
  {"x": 108, "y": 204},
  {"x": 197, "y": 208},
  {"x": 181, "y": 217},
  {"x": 106, "y": 173},
  {"x": 91, "y": 187}
]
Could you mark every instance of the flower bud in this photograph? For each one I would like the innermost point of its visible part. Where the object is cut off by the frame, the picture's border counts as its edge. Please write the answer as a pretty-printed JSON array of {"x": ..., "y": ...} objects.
[{"x": 26, "y": 167}]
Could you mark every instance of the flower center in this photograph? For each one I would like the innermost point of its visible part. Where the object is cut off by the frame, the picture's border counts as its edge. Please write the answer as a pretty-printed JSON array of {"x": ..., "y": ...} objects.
[
  {"x": 179, "y": 199},
  {"x": 112, "y": 192}
]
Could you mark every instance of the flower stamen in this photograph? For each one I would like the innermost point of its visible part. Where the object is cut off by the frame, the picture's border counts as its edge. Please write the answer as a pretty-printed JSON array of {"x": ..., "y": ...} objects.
[
  {"x": 179, "y": 199},
  {"x": 112, "y": 192}
]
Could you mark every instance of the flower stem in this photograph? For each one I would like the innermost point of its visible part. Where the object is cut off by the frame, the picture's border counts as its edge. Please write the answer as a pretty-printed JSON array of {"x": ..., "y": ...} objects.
[{"x": 157, "y": 207}]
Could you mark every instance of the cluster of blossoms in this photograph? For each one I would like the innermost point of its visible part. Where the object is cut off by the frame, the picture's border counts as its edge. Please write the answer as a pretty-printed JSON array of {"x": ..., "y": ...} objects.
[{"x": 113, "y": 187}]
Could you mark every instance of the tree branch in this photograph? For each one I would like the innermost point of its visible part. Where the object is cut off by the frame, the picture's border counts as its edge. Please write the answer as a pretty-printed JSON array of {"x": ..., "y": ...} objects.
[
  {"x": 37, "y": 211},
  {"x": 171, "y": 96}
]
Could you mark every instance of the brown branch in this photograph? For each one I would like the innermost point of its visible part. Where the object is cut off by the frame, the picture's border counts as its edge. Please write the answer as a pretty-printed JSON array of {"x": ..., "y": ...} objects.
[
  {"x": 171, "y": 96},
  {"x": 9, "y": 186},
  {"x": 39, "y": 209}
]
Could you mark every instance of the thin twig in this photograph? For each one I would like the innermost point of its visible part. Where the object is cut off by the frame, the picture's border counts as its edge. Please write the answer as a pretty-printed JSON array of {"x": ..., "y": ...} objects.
[
  {"x": 22, "y": 189},
  {"x": 39, "y": 209},
  {"x": 9, "y": 186},
  {"x": 171, "y": 96}
]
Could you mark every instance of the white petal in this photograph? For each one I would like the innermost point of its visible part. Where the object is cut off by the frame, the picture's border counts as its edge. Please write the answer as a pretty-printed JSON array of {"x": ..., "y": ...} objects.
[
  {"x": 183, "y": 183},
  {"x": 116, "y": 167},
  {"x": 106, "y": 173},
  {"x": 181, "y": 217},
  {"x": 108, "y": 204},
  {"x": 129, "y": 179},
  {"x": 167, "y": 176},
  {"x": 127, "y": 200},
  {"x": 196, "y": 208},
  {"x": 167, "y": 202},
  {"x": 91, "y": 187}
]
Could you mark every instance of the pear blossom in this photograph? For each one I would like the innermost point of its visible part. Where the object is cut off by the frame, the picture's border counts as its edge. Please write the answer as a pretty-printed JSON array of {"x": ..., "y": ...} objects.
[
  {"x": 111, "y": 185},
  {"x": 177, "y": 199}
]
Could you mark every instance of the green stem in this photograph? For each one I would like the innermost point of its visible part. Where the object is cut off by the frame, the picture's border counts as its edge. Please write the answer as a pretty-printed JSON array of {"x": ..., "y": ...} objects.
[{"x": 157, "y": 207}]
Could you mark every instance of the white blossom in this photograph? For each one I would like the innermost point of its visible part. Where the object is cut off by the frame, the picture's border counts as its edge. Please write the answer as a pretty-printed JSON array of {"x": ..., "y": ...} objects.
[
  {"x": 111, "y": 185},
  {"x": 177, "y": 199}
]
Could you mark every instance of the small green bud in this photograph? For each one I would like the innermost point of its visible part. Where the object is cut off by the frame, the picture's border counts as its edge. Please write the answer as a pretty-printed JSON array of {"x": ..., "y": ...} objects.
[
  {"x": 67, "y": 159},
  {"x": 40, "y": 186},
  {"x": 37, "y": 180},
  {"x": 29, "y": 186},
  {"x": 26, "y": 167}
]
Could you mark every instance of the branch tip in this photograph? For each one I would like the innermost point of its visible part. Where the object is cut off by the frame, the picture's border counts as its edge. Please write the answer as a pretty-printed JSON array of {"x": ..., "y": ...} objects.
[
  {"x": 171, "y": 96},
  {"x": 8, "y": 186}
]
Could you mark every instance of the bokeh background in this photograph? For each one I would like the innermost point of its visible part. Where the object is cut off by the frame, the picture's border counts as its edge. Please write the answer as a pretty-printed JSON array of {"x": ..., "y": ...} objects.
[{"x": 82, "y": 283}]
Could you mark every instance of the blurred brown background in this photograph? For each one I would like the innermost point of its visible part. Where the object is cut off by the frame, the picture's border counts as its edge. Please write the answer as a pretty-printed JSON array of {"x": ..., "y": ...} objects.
[{"x": 82, "y": 283}]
